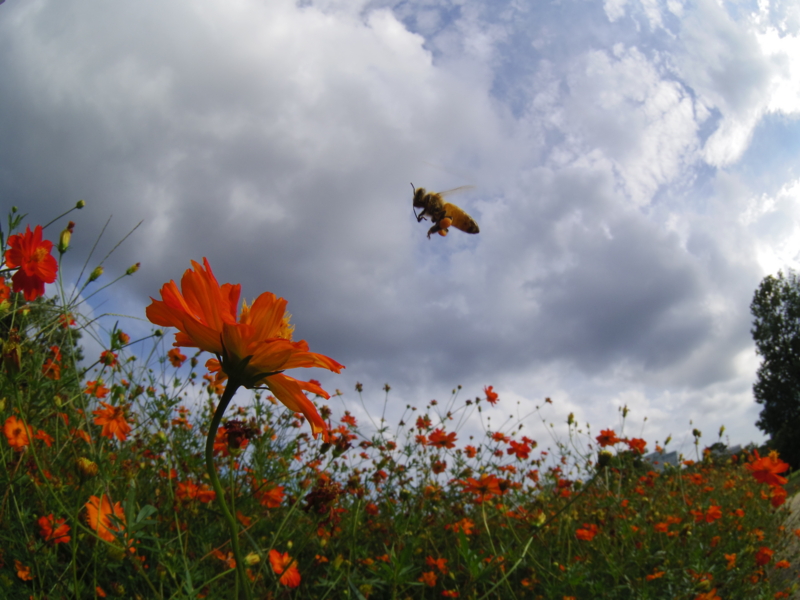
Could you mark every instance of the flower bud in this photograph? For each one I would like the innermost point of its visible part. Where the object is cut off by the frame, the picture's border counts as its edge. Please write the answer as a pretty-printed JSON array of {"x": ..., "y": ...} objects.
[
  {"x": 12, "y": 353},
  {"x": 94, "y": 275},
  {"x": 80, "y": 204},
  {"x": 604, "y": 459},
  {"x": 63, "y": 241},
  {"x": 252, "y": 559},
  {"x": 86, "y": 467},
  {"x": 133, "y": 269}
]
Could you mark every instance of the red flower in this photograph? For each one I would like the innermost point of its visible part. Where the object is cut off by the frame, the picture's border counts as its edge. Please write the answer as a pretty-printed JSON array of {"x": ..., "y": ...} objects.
[
  {"x": 54, "y": 531},
  {"x": 440, "y": 439},
  {"x": 439, "y": 563},
  {"x": 108, "y": 358},
  {"x": 766, "y": 469},
  {"x": 521, "y": 450},
  {"x": 175, "y": 357},
  {"x": 31, "y": 255},
  {"x": 607, "y": 437},
  {"x": 713, "y": 513},
  {"x": 5, "y": 291},
  {"x": 491, "y": 395},
  {"x": 763, "y": 556},
  {"x": 637, "y": 445},
  {"x": 777, "y": 496},
  {"x": 587, "y": 533},
  {"x": 286, "y": 567},
  {"x": 51, "y": 367}
]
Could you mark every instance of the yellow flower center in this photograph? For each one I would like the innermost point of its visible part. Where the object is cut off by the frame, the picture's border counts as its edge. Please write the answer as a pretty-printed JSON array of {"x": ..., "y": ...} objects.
[{"x": 286, "y": 328}]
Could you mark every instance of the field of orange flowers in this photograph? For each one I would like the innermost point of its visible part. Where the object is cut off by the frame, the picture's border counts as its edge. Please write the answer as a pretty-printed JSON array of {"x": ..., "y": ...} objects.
[{"x": 165, "y": 475}]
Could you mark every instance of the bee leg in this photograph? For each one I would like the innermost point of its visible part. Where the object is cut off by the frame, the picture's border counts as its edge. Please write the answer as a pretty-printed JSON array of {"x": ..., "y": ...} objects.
[{"x": 433, "y": 229}]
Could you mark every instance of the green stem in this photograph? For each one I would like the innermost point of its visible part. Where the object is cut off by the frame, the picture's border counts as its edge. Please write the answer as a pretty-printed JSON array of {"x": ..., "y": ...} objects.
[{"x": 227, "y": 396}]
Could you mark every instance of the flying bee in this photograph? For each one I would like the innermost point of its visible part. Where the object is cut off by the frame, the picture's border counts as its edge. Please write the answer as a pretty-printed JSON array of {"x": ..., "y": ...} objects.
[{"x": 442, "y": 214}]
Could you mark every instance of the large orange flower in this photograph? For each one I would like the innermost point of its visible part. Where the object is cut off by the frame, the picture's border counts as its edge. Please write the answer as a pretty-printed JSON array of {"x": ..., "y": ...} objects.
[
  {"x": 112, "y": 419},
  {"x": 54, "y": 530},
  {"x": 17, "y": 433},
  {"x": 766, "y": 469},
  {"x": 31, "y": 255},
  {"x": 285, "y": 566},
  {"x": 253, "y": 348},
  {"x": 98, "y": 517}
]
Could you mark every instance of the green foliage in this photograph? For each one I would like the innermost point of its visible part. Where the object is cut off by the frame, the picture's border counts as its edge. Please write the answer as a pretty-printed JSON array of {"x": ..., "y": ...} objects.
[{"x": 776, "y": 332}]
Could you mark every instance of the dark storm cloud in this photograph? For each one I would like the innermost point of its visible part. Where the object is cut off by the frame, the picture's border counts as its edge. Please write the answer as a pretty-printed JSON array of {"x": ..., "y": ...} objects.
[{"x": 279, "y": 141}]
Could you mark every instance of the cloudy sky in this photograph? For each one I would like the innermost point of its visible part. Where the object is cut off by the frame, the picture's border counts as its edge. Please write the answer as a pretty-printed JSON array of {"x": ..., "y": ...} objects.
[{"x": 634, "y": 163}]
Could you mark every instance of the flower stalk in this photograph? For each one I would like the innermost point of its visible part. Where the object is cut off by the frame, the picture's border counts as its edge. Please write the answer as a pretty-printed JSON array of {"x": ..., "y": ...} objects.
[{"x": 233, "y": 526}]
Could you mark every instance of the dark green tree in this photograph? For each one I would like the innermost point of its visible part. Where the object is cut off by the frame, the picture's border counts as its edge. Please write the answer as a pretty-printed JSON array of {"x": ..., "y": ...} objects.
[{"x": 776, "y": 332}]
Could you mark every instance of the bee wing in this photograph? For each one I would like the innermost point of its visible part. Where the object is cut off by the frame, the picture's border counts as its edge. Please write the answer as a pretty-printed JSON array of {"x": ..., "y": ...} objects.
[{"x": 457, "y": 190}]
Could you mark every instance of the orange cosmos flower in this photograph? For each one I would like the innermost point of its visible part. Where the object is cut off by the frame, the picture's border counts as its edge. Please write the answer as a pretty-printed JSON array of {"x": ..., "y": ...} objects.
[
  {"x": 51, "y": 367},
  {"x": 710, "y": 595},
  {"x": 286, "y": 567},
  {"x": 112, "y": 419},
  {"x": 227, "y": 558},
  {"x": 587, "y": 532},
  {"x": 99, "y": 513},
  {"x": 607, "y": 437},
  {"x": 439, "y": 563},
  {"x": 522, "y": 450},
  {"x": 713, "y": 513},
  {"x": 440, "y": 439},
  {"x": 190, "y": 491},
  {"x": 466, "y": 525},
  {"x": 484, "y": 489},
  {"x": 31, "y": 255},
  {"x": 766, "y": 469},
  {"x": 777, "y": 496},
  {"x": 637, "y": 445},
  {"x": 23, "y": 572},
  {"x": 5, "y": 291},
  {"x": 252, "y": 348},
  {"x": 272, "y": 497},
  {"x": 54, "y": 530},
  {"x": 17, "y": 433},
  {"x": 428, "y": 578},
  {"x": 763, "y": 556},
  {"x": 96, "y": 389},
  {"x": 175, "y": 357},
  {"x": 108, "y": 358},
  {"x": 491, "y": 395}
]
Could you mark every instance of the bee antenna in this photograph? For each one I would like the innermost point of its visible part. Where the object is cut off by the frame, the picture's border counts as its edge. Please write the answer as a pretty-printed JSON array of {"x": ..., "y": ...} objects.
[{"x": 413, "y": 188}]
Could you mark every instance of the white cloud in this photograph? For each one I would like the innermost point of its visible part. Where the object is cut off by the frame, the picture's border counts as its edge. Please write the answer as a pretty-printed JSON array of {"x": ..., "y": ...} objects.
[{"x": 618, "y": 249}]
